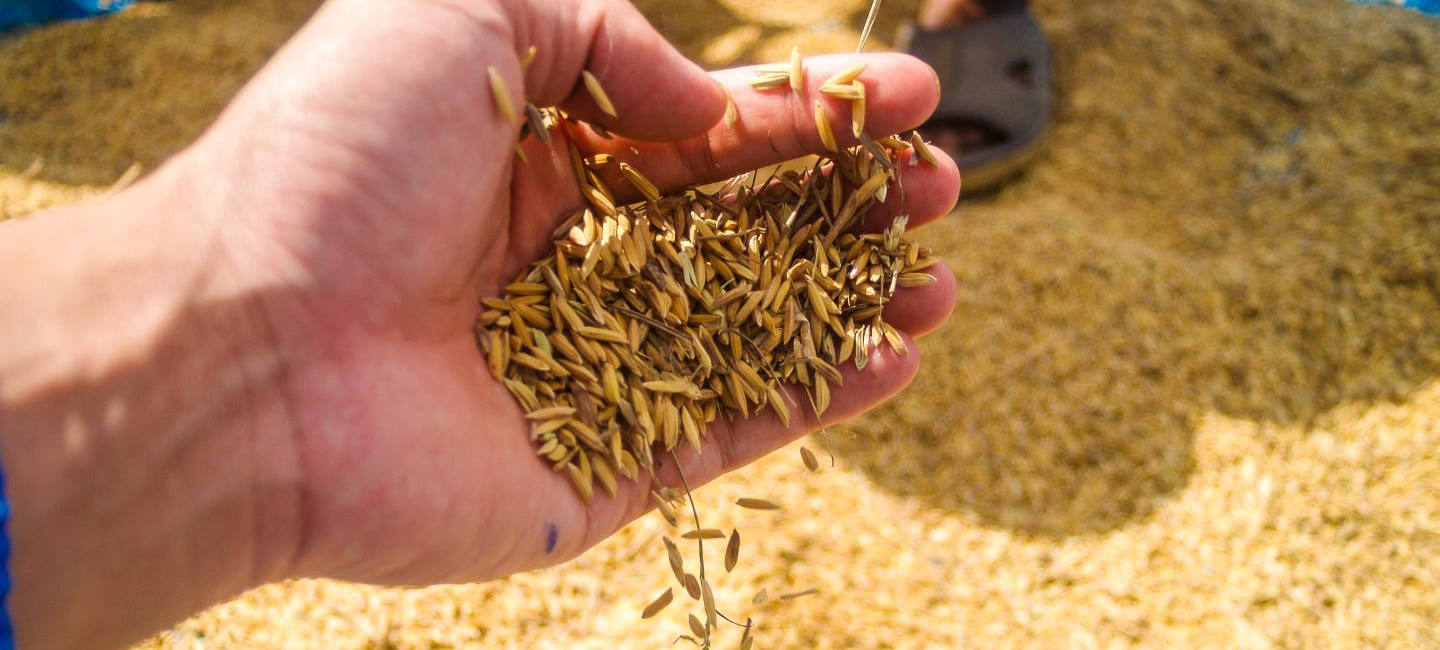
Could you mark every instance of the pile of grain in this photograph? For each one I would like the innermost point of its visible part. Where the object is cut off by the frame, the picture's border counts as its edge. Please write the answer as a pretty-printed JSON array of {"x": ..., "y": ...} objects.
[{"x": 1191, "y": 395}]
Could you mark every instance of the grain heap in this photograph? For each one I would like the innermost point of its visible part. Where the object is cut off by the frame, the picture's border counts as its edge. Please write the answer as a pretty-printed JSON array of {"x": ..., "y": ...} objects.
[{"x": 648, "y": 319}]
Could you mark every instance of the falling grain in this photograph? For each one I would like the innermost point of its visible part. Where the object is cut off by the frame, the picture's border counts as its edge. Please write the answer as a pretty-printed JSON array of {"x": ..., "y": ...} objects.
[
  {"x": 705, "y": 533},
  {"x": 800, "y": 594},
  {"x": 809, "y": 459},
  {"x": 658, "y": 604},
  {"x": 756, "y": 504},
  {"x": 707, "y": 601},
  {"x": 666, "y": 510},
  {"x": 677, "y": 562},
  {"x": 732, "y": 550}
]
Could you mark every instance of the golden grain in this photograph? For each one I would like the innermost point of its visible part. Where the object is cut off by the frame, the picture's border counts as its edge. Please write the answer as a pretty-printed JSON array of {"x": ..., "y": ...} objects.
[
  {"x": 707, "y": 601},
  {"x": 808, "y": 457},
  {"x": 677, "y": 562},
  {"x": 797, "y": 70},
  {"x": 822, "y": 124},
  {"x": 641, "y": 183},
  {"x": 756, "y": 504},
  {"x": 503, "y": 100},
  {"x": 857, "y": 114},
  {"x": 841, "y": 91},
  {"x": 732, "y": 113},
  {"x": 597, "y": 92},
  {"x": 704, "y": 533},
  {"x": 923, "y": 150},
  {"x": 664, "y": 507},
  {"x": 658, "y": 604},
  {"x": 768, "y": 80},
  {"x": 916, "y": 279}
]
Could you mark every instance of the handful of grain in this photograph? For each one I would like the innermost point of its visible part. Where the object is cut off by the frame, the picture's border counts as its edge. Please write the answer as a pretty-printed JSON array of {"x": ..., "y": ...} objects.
[{"x": 650, "y": 320}]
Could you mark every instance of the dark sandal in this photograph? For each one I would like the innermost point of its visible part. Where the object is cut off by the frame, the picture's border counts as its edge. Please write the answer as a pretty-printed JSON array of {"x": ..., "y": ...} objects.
[{"x": 994, "y": 75}]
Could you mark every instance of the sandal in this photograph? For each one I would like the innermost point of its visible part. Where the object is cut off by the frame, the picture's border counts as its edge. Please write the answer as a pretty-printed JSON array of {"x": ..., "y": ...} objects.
[{"x": 995, "y": 78}]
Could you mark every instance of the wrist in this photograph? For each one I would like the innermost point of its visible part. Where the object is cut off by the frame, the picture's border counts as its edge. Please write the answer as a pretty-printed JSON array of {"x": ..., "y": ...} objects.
[{"x": 146, "y": 443}]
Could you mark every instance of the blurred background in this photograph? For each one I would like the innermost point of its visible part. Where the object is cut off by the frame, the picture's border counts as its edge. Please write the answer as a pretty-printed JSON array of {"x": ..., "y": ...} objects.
[{"x": 1190, "y": 396}]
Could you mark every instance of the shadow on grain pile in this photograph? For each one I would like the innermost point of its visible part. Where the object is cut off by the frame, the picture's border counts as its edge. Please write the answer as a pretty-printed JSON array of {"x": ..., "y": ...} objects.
[
  {"x": 90, "y": 98},
  {"x": 1238, "y": 212}
]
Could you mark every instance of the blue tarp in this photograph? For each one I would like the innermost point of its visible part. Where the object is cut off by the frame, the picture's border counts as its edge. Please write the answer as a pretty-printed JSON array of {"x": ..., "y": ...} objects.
[
  {"x": 1427, "y": 6},
  {"x": 14, "y": 13}
]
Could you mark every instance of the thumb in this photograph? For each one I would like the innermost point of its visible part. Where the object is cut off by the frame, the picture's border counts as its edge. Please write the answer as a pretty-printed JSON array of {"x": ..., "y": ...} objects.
[{"x": 657, "y": 94}]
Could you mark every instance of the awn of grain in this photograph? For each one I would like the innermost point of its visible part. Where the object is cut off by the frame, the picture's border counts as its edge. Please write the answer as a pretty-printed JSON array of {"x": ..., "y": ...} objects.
[{"x": 800, "y": 594}]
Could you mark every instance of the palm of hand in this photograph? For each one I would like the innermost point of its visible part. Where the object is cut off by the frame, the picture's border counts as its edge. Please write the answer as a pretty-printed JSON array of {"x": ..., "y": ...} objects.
[{"x": 394, "y": 203}]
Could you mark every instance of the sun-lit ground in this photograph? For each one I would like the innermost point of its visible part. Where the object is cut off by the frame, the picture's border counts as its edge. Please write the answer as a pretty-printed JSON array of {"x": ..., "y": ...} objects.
[{"x": 1190, "y": 396}]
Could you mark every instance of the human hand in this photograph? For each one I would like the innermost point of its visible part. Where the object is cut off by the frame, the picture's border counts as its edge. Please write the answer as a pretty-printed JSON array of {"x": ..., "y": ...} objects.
[
  {"x": 371, "y": 197},
  {"x": 259, "y": 362}
]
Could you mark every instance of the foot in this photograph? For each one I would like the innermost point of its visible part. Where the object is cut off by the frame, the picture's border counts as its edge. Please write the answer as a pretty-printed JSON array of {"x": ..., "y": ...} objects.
[{"x": 958, "y": 136}]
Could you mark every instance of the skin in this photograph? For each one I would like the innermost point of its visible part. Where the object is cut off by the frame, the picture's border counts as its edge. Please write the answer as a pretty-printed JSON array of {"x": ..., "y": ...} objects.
[
  {"x": 258, "y": 362},
  {"x": 935, "y": 14}
]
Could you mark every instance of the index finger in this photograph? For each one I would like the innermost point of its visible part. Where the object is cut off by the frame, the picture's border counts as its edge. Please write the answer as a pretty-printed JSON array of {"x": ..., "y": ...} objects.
[{"x": 778, "y": 124}]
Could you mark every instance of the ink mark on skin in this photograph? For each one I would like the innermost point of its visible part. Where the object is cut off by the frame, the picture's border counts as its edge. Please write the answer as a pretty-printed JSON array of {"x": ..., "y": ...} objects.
[{"x": 552, "y": 535}]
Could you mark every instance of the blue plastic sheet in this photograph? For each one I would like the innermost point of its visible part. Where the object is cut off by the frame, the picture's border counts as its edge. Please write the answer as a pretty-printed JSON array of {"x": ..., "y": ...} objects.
[
  {"x": 17, "y": 13},
  {"x": 1425, "y": 6}
]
